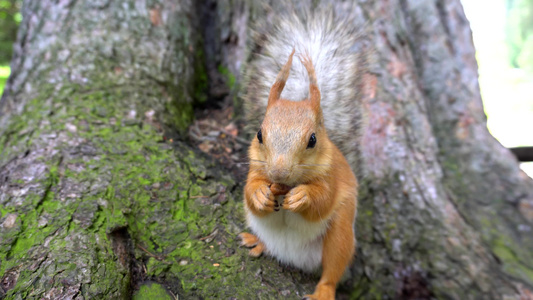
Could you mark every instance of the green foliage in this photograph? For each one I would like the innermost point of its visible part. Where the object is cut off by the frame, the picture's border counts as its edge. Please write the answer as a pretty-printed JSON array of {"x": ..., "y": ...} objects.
[
  {"x": 10, "y": 18},
  {"x": 519, "y": 33},
  {"x": 4, "y": 74}
]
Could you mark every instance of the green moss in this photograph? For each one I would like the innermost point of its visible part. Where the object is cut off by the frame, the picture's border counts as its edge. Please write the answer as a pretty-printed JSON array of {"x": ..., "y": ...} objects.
[
  {"x": 230, "y": 78},
  {"x": 231, "y": 81},
  {"x": 22, "y": 244},
  {"x": 30, "y": 234},
  {"x": 503, "y": 247},
  {"x": 181, "y": 114},
  {"x": 120, "y": 148},
  {"x": 465, "y": 186},
  {"x": 152, "y": 291},
  {"x": 130, "y": 179}
]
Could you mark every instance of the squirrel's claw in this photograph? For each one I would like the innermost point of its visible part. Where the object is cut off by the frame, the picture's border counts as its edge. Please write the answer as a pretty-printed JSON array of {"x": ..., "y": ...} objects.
[
  {"x": 263, "y": 199},
  {"x": 297, "y": 200}
]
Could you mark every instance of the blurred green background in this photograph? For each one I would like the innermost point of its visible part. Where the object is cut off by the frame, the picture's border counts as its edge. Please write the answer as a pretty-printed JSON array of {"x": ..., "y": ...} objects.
[
  {"x": 503, "y": 36},
  {"x": 10, "y": 18}
]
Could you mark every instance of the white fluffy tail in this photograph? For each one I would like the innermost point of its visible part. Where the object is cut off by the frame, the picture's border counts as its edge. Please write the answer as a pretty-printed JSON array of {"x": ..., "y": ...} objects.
[{"x": 332, "y": 38}]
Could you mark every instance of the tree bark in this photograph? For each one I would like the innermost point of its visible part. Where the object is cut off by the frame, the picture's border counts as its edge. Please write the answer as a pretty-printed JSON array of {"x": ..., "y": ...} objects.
[{"x": 98, "y": 202}]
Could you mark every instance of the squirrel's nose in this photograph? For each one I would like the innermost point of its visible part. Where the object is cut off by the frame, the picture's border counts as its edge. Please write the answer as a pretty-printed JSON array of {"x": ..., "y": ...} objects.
[
  {"x": 279, "y": 174},
  {"x": 279, "y": 171}
]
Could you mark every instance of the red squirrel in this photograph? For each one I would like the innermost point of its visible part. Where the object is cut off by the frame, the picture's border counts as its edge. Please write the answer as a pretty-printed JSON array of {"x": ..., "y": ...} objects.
[{"x": 300, "y": 197}]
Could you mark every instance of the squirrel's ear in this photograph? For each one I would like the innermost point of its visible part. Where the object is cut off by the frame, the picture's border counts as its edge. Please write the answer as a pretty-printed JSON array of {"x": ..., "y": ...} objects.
[
  {"x": 314, "y": 96},
  {"x": 277, "y": 87},
  {"x": 314, "y": 92}
]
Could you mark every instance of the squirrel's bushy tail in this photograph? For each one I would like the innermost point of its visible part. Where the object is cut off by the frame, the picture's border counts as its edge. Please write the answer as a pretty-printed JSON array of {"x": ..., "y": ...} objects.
[{"x": 331, "y": 35}]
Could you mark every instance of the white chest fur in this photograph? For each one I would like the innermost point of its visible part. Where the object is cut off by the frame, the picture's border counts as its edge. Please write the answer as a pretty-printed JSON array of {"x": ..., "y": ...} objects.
[{"x": 290, "y": 238}]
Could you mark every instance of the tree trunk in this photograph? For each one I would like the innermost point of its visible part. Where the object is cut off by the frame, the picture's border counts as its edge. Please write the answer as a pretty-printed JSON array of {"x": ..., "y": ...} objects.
[{"x": 98, "y": 202}]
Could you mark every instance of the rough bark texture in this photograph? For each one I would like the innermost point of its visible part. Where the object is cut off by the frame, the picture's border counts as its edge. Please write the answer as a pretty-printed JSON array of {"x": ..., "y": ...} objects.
[
  {"x": 430, "y": 161},
  {"x": 96, "y": 203}
]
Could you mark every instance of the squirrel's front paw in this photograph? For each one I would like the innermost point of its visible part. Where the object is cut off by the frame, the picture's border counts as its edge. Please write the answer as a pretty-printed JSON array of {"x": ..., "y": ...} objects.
[
  {"x": 263, "y": 199},
  {"x": 296, "y": 200}
]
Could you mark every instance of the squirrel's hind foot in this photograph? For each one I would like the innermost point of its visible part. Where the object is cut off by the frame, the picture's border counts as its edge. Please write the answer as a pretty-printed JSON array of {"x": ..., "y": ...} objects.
[
  {"x": 322, "y": 292},
  {"x": 251, "y": 241}
]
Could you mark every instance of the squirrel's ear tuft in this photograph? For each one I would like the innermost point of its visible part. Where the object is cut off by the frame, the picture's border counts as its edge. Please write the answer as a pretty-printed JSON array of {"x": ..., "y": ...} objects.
[
  {"x": 277, "y": 87},
  {"x": 314, "y": 92},
  {"x": 314, "y": 96}
]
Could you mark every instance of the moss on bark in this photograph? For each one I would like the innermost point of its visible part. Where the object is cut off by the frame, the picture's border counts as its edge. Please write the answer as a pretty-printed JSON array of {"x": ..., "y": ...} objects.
[{"x": 105, "y": 172}]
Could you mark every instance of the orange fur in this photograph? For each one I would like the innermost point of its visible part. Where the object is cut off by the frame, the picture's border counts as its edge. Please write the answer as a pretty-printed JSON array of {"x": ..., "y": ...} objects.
[
  {"x": 323, "y": 185},
  {"x": 251, "y": 241},
  {"x": 258, "y": 197}
]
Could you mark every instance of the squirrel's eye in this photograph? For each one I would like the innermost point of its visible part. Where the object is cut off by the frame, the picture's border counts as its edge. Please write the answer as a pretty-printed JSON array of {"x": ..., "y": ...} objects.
[
  {"x": 312, "y": 141},
  {"x": 260, "y": 136}
]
